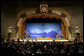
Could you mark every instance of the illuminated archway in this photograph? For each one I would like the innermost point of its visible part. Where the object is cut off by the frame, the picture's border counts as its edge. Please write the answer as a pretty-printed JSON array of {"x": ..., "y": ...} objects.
[
  {"x": 37, "y": 16},
  {"x": 56, "y": 13}
]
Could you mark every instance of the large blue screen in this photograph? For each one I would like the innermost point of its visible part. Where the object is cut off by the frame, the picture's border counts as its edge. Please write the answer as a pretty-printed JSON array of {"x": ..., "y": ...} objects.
[{"x": 43, "y": 29}]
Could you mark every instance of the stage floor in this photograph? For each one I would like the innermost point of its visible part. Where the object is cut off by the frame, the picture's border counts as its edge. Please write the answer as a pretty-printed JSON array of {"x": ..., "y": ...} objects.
[{"x": 43, "y": 40}]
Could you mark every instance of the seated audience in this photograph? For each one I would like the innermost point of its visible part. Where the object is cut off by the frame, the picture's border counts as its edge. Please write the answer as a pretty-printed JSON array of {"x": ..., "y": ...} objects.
[{"x": 42, "y": 48}]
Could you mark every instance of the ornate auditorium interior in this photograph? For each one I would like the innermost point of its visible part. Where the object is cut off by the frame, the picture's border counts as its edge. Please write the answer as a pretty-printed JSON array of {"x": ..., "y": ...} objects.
[{"x": 42, "y": 28}]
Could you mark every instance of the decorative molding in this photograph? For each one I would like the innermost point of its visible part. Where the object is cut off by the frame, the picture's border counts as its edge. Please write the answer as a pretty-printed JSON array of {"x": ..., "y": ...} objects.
[
  {"x": 43, "y": 7},
  {"x": 23, "y": 15},
  {"x": 67, "y": 20},
  {"x": 63, "y": 15},
  {"x": 56, "y": 12}
]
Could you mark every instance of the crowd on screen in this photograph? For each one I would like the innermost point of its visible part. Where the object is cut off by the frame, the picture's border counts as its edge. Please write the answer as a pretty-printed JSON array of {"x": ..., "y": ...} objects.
[{"x": 41, "y": 48}]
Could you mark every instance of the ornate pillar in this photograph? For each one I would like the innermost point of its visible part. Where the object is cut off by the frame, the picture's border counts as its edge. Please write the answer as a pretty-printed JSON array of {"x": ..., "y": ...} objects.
[
  {"x": 64, "y": 29},
  {"x": 23, "y": 30}
]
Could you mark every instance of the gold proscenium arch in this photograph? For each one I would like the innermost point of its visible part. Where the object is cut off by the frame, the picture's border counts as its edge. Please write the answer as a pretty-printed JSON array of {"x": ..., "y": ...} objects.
[{"x": 38, "y": 16}]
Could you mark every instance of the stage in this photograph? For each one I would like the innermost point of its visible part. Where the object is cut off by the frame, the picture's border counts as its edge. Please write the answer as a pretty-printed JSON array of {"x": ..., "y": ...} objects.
[{"x": 42, "y": 40}]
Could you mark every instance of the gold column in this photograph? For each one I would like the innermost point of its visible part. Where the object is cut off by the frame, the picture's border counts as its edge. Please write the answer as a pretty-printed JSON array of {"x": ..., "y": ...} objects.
[
  {"x": 64, "y": 28},
  {"x": 23, "y": 30}
]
